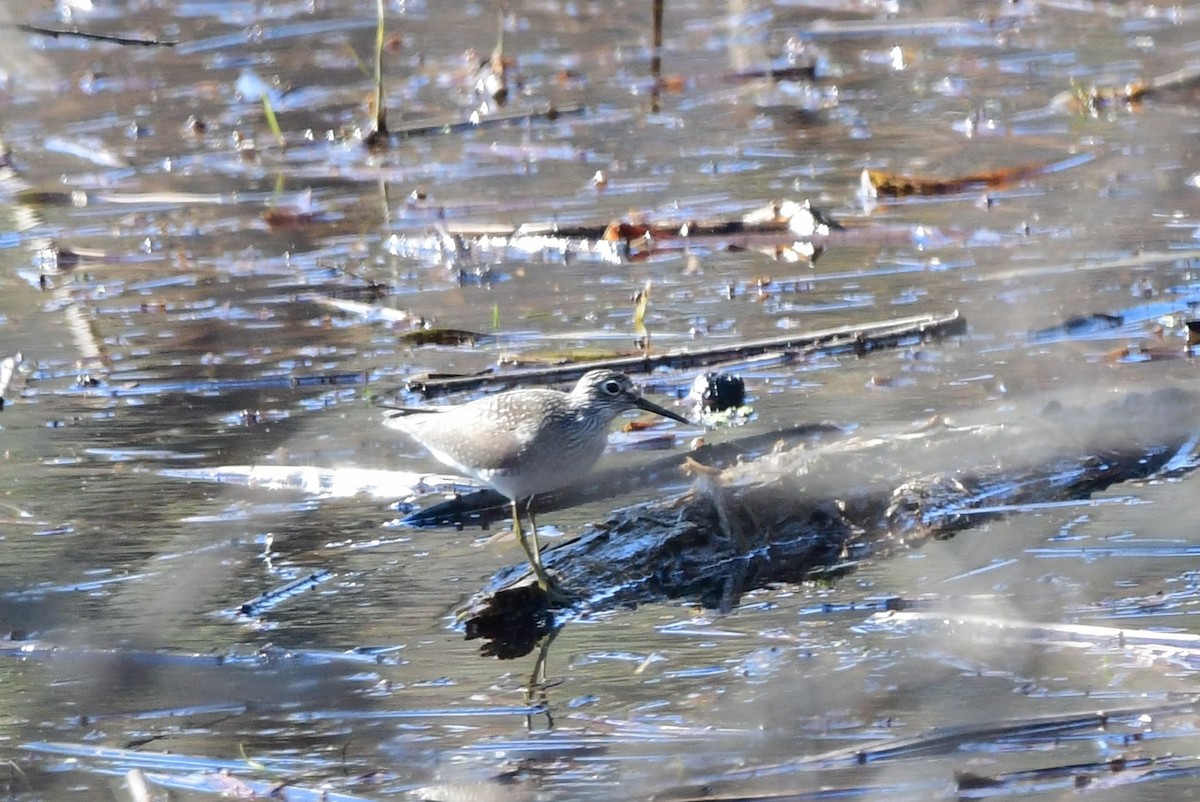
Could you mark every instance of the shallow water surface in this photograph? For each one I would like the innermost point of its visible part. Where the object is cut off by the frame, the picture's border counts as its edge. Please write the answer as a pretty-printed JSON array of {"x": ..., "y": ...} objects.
[{"x": 178, "y": 320}]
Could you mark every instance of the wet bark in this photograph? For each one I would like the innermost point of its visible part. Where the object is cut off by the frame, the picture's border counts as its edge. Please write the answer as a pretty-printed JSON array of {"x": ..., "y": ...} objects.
[{"x": 858, "y": 339}]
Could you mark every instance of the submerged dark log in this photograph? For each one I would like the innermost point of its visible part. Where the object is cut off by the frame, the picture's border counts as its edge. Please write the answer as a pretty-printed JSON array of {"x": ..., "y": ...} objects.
[{"x": 809, "y": 511}]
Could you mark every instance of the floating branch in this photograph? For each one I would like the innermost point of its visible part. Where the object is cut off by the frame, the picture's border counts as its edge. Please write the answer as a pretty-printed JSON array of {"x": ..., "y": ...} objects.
[
  {"x": 858, "y": 338},
  {"x": 266, "y": 601},
  {"x": 787, "y": 230},
  {"x": 56, "y": 33}
]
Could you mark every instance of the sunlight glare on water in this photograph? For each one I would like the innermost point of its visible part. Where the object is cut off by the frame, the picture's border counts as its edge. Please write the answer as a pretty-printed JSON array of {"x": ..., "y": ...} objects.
[{"x": 192, "y": 300}]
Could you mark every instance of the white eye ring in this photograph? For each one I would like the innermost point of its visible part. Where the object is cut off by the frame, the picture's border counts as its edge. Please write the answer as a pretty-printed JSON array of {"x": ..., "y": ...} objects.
[{"x": 612, "y": 387}]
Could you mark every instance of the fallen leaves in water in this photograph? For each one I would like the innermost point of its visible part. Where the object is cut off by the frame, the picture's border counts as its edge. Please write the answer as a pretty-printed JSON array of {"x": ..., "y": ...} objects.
[
  {"x": 897, "y": 185},
  {"x": 445, "y": 337}
]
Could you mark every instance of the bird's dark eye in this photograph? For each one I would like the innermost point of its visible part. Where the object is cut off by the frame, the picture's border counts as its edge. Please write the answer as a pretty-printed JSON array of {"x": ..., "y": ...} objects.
[{"x": 612, "y": 387}]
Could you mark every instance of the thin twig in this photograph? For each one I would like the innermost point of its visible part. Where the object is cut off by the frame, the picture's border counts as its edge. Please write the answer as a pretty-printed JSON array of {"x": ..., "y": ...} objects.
[
  {"x": 55, "y": 33},
  {"x": 656, "y": 27}
]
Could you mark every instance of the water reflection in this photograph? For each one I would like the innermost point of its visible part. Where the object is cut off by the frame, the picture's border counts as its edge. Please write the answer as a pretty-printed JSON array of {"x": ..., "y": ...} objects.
[{"x": 164, "y": 323}]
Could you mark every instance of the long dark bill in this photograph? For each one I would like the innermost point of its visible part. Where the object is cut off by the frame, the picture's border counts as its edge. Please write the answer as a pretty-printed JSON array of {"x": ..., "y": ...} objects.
[{"x": 650, "y": 406}]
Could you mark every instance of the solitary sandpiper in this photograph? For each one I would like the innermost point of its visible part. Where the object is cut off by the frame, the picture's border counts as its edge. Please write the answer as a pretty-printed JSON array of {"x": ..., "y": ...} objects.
[{"x": 528, "y": 441}]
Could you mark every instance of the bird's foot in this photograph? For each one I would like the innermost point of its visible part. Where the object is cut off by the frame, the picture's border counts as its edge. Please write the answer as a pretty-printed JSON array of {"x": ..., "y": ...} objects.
[{"x": 556, "y": 594}]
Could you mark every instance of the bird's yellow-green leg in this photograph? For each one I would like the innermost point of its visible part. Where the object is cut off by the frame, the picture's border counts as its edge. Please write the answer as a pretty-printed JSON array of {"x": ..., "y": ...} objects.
[
  {"x": 531, "y": 550},
  {"x": 534, "y": 553},
  {"x": 533, "y": 538}
]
